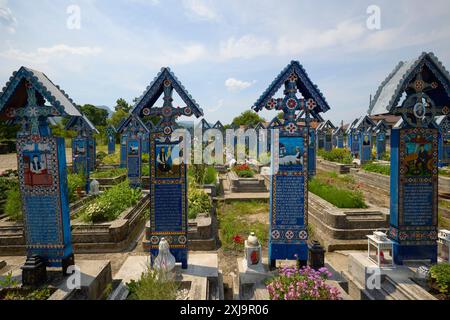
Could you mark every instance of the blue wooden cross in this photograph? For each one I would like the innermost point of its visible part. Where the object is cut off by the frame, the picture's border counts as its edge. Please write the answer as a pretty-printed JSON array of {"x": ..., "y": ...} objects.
[
  {"x": 419, "y": 110},
  {"x": 167, "y": 112},
  {"x": 290, "y": 105},
  {"x": 32, "y": 113}
]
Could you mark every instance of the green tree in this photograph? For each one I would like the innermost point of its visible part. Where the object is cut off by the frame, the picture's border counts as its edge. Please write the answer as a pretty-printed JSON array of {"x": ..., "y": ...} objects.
[
  {"x": 121, "y": 104},
  {"x": 248, "y": 118},
  {"x": 117, "y": 117},
  {"x": 96, "y": 115}
]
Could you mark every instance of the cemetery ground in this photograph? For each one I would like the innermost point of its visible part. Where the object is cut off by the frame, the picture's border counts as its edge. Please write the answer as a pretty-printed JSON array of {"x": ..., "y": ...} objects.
[{"x": 237, "y": 217}]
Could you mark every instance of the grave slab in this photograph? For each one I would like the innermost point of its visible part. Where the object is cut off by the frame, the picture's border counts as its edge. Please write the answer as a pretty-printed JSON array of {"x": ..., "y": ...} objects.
[{"x": 395, "y": 284}]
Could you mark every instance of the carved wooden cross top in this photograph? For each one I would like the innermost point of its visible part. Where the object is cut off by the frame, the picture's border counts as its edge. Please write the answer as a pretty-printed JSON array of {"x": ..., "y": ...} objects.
[
  {"x": 290, "y": 104},
  {"x": 31, "y": 114},
  {"x": 167, "y": 112},
  {"x": 418, "y": 109}
]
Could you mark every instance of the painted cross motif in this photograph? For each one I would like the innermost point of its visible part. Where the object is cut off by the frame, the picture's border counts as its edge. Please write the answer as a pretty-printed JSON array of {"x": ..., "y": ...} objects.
[
  {"x": 419, "y": 110},
  {"x": 290, "y": 105},
  {"x": 167, "y": 112},
  {"x": 31, "y": 114}
]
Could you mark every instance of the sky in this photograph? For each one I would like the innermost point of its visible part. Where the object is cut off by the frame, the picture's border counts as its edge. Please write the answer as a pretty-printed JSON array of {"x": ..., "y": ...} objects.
[{"x": 226, "y": 53}]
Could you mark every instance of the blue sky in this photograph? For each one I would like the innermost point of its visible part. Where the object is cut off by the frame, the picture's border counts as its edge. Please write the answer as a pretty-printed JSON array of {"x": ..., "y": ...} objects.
[{"x": 226, "y": 53}]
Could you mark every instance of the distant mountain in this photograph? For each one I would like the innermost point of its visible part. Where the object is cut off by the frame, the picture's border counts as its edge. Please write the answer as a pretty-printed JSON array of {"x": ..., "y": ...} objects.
[{"x": 110, "y": 112}]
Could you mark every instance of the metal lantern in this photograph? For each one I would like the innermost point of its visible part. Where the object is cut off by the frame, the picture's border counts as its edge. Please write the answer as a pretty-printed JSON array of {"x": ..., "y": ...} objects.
[{"x": 316, "y": 255}]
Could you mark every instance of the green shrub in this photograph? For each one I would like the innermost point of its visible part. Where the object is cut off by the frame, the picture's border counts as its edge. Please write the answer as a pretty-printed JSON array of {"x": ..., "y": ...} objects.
[
  {"x": 377, "y": 168},
  {"x": 196, "y": 173},
  {"x": 101, "y": 155},
  {"x": 13, "y": 205},
  {"x": 74, "y": 181},
  {"x": 341, "y": 198},
  {"x": 111, "y": 173},
  {"x": 7, "y": 184},
  {"x": 336, "y": 155},
  {"x": 199, "y": 202},
  {"x": 145, "y": 158},
  {"x": 145, "y": 170},
  {"x": 210, "y": 176},
  {"x": 440, "y": 276},
  {"x": 152, "y": 285},
  {"x": 110, "y": 204},
  {"x": 111, "y": 159},
  {"x": 244, "y": 171}
]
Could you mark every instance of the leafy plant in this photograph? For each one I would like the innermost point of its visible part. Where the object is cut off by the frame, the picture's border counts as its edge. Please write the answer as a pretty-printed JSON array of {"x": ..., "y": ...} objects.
[
  {"x": 377, "y": 168},
  {"x": 338, "y": 155},
  {"x": 440, "y": 275},
  {"x": 110, "y": 204},
  {"x": 198, "y": 202},
  {"x": 8, "y": 281},
  {"x": 74, "y": 181},
  {"x": 5, "y": 185},
  {"x": 112, "y": 159},
  {"x": 153, "y": 285},
  {"x": 341, "y": 198},
  {"x": 27, "y": 294},
  {"x": 145, "y": 170},
  {"x": 210, "y": 175},
  {"x": 302, "y": 284},
  {"x": 244, "y": 171},
  {"x": 13, "y": 205}
]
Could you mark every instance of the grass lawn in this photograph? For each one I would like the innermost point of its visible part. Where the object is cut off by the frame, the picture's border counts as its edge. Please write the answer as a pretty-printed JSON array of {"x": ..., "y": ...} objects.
[
  {"x": 237, "y": 219},
  {"x": 339, "y": 190},
  {"x": 377, "y": 168},
  {"x": 111, "y": 173}
]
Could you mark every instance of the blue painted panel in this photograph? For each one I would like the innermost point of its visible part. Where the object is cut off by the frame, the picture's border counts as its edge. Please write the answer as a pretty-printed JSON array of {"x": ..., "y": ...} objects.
[
  {"x": 312, "y": 154},
  {"x": 134, "y": 159},
  {"x": 44, "y": 192},
  {"x": 123, "y": 151},
  {"x": 414, "y": 193},
  {"x": 365, "y": 147},
  {"x": 288, "y": 200},
  {"x": 111, "y": 144}
]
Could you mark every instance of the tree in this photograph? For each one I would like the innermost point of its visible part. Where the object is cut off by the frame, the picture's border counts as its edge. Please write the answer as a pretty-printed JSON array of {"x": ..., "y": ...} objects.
[
  {"x": 117, "y": 117},
  {"x": 96, "y": 115},
  {"x": 121, "y": 104},
  {"x": 248, "y": 118}
]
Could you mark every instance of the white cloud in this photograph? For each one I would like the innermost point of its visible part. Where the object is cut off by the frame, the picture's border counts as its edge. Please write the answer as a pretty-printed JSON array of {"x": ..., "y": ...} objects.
[
  {"x": 248, "y": 46},
  {"x": 200, "y": 9},
  {"x": 7, "y": 19},
  {"x": 43, "y": 55},
  {"x": 177, "y": 55},
  {"x": 308, "y": 39},
  {"x": 237, "y": 85}
]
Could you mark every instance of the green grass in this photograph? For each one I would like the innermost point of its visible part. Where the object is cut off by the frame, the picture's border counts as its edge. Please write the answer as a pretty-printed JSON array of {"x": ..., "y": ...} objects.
[
  {"x": 377, "y": 168},
  {"x": 339, "y": 190},
  {"x": 235, "y": 220},
  {"x": 342, "y": 156},
  {"x": 111, "y": 173}
]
